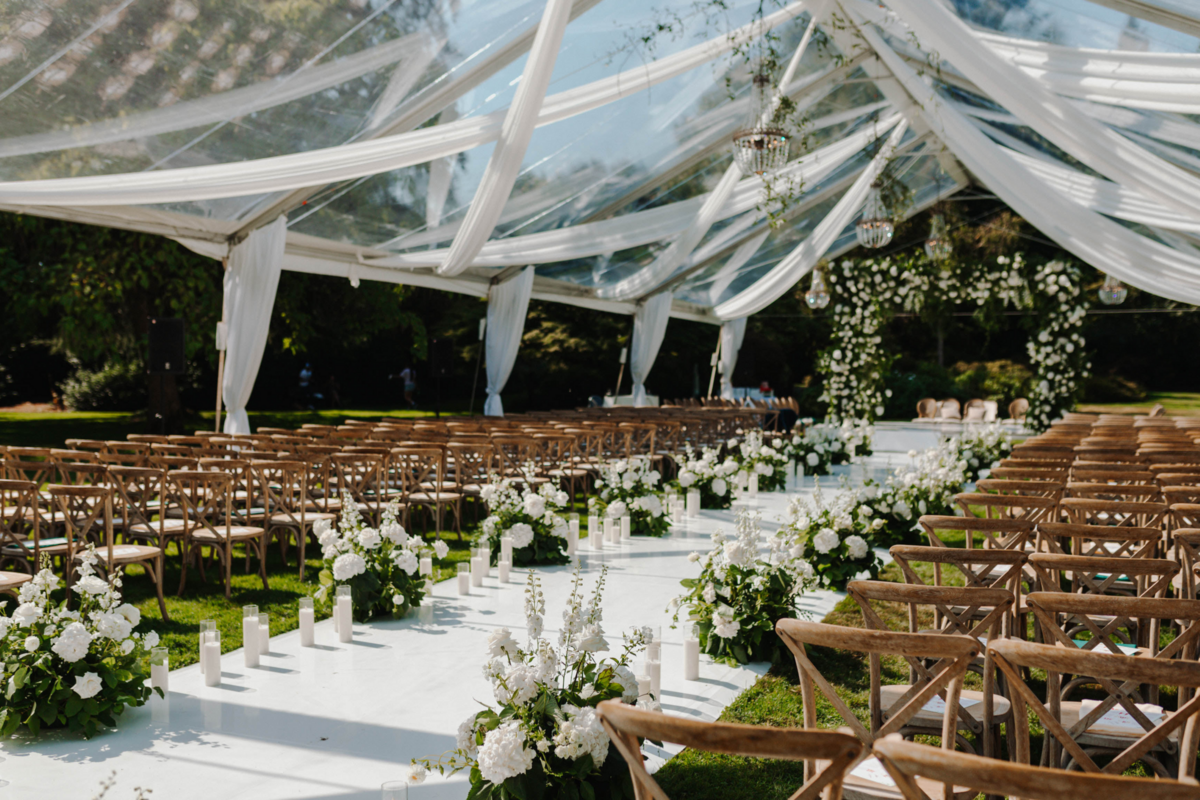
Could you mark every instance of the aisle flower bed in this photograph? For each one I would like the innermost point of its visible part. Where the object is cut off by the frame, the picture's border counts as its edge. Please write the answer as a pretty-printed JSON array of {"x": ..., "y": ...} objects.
[
  {"x": 833, "y": 531},
  {"x": 825, "y": 444},
  {"x": 531, "y": 518},
  {"x": 711, "y": 475},
  {"x": 631, "y": 487}
]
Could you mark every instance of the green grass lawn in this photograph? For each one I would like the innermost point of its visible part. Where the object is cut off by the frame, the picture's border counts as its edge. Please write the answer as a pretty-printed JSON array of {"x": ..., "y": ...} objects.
[
  {"x": 1183, "y": 404},
  {"x": 51, "y": 429}
]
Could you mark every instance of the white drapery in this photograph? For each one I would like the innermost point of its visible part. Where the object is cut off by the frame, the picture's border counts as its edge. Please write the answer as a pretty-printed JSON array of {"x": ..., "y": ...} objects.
[
  {"x": 1104, "y": 244},
  {"x": 508, "y": 304},
  {"x": 359, "y": 159},
  {"x": 796, "y": 264},
  {"x": 649, "y": 328},
  {"x": 732, "y": 333},
  {"x": 250, "y": 284},
  {"x": 1100, "y": 148},
  {"x": 505, "y": 163}
]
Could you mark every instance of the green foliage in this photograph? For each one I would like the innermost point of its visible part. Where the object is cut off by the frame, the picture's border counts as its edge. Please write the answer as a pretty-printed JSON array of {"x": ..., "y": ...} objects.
[
  {"x": 1002, "y": 381},
  {"x": 113, "y": 387}
]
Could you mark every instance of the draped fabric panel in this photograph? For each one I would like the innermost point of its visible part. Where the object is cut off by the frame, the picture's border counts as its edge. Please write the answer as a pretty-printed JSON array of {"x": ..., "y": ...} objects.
[
  {"x": 796, "y": 264},
  {"x": 649, "y": 328},
  {"x": 1100, "y": 148},
  {"x": 732, "y": 333},
  {"x": 1097, "y": 240},
  {"x": 508, "y": 304},
  {"x": 501, "y": 173},
  {"x": 359, "y": 159},
  {"x": 250, "y": 284}
]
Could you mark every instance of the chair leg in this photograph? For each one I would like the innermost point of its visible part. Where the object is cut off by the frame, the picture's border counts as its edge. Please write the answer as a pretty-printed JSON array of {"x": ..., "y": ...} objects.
[
  {"x": 228, "y": 567},
  {"x": 302, "y": 540},
  {"x": 157, "y": 574},
  {"x": 262, "y": 558},
  {"x": 183, "y": 572}
]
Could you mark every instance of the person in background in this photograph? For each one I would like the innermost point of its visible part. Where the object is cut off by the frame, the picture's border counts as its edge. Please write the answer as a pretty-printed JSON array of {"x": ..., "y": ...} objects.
[
  {"x": 765, "y": 390},
  {"x": 409, "y": 376}
]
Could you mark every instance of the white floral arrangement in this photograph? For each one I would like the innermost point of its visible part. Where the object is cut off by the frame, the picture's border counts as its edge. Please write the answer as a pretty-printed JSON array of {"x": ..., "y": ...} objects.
[
  {"x": 827, "y": 444},
  {"x": 532, "y": 518},
  {"x": 713, "y": 476},
  {"x": 983, "y": 446},
  {"x": 765, "y": 458},
  {"x": 543, "y": 737},
  {"x": 833, "y": 532},
  {"x": 926, "y": 486},
  {"x": 740, "y": 594},
  {"x": 381, "y": 566},
  {"x": 1057, "y": 352},
  {"x": 72, "y": 668},
  {"x": 631, "y": 487}
]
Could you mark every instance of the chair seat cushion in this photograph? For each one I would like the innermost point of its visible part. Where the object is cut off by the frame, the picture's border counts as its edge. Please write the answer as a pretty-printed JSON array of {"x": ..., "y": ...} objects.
[
  {"x": 11, "y": 580},
  {"x": 972, "y": 701},
  {"x": 236, "y": 533},
  {"x": 126, "y": 553}
]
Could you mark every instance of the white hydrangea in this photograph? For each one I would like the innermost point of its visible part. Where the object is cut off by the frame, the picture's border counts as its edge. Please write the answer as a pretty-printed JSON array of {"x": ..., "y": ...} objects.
[
  {"x": 440, "y": 548},
  {"x": 617, "y": 509},
  {"x": 857, "y": 546},
  {"x": 465, "y": 738},
  {"x": 521, "y": 534},
  {"x": 501, "y": 642},
  {"x": 503, "y": 754},
  {"x": 406, "y": 560},
  {"x": 580, "y": 733},
  {"x": 535, "y": 505},
  {"x": 347, "y": 566},
  {"x": 369, "y": 538},
  {"x": 826, "y": 540}
]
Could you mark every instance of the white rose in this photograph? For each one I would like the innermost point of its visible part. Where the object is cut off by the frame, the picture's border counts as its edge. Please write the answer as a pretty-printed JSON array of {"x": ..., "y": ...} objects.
[
  {"x": 369, "y": 538},
  {"x": 694, "y": 557},
  {"x": 501, "y": 642},
  {"x": 73, "y": 643},
  {"x": 87, "y": 685},
  {"x": 593, "y": 640},
  {"x": 686, "y": 479},
  {"x": 91, "y": 584},
  {"x": 32, "y": 643},
  {"x": 130, "y": 613},
  {"x": 127, "y": 646}
]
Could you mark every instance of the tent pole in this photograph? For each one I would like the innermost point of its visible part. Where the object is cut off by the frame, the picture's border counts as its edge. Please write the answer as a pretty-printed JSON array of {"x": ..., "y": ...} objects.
[
  {"x": 221, "y": 358},
  {"x": 478, "y": 361},
  {"x": 716, "y": 359}
]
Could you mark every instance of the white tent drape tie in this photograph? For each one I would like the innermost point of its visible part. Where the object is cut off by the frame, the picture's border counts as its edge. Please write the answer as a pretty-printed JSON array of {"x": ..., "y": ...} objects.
[
  {"x": 649, "y": 328},
  {"x": 1102, "y": 149},
  {"x": 1106, "y": 245},
  {"x": 796, "y": 264},
  {"x": 505, "y": 164},
  {"x": 732, "y": 333},
  {"x": 250, "y": 284},
  {"x": 508, "y": 304}
]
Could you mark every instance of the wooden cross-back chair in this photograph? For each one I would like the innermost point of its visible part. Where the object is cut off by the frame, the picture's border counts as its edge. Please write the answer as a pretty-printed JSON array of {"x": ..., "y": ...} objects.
[
  {"x": 911, "y": 764},
  {"x": 1103, "y": 475},
  {"x": 283, "y": 487},
  {"x": 1052, "y": 490},
  {"x": 1124, "y": 492},
  {"x": 1187, "y": 554},
  {"x": 950, "y": 657},
  {"x": 356, "y": 477},
  {"x": 1076, "y": 734},
  {"x": 994, "y": 534},
  {"x": 518, "y": 457},
  {"x": 961, "y": 611},
  {"x": 144, "y": 508},
  {"x": 1027, "y": 474},
  {"x": 20, "y": 533},
  {"x": 423, "y": 470},
  {"x": 980, "y": 569},
  {"x": 1007, "y": 506},
  {"x": 559, "y": 458},
  {"x": 1066, "y": 538},
  {"x": 833, "y": 751},
  {"x": 1086, "y": 511},
  {"x": 85, "y": 510},
  {"x": 206, "y": 500},
  {"x": 1111, "y": 624},
  {"x": 474, "y": 464}
]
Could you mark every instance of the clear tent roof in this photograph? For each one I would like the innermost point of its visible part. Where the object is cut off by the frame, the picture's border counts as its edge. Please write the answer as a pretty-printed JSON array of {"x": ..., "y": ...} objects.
[{"x": 134, "y": 87}]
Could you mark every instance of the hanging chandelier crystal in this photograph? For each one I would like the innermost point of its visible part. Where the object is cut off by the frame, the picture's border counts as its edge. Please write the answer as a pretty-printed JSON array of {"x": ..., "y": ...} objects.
[
  {"x": 1113, "y": 292},
  {"x": 875, "y": 229},
  {"x": 761, "y": 146},
  {"x": 817, "y": 295},
  {"x": 938, "y": 246}
]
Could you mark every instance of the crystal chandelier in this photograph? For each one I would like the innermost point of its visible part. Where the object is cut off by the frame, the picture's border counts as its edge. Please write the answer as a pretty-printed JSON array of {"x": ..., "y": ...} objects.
[
  {"x": 817, "y": 295},
  {"x": 1113, "y": 292},
  {"x": 761, "y": 146},
  {"x": 938, "y": 246},
  {"x": 875, "y": 229}
]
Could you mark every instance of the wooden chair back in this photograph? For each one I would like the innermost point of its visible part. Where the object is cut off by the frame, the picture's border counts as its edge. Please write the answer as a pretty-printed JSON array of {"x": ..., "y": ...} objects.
[
  {"x": 1007, "y": 506},
  {"x": 82, "y": 511},
  {"x": 1065, "y": 538},
  {"x": 992, "y": 569},
  {"x": 21, "y": 523},
  {"x": 1103, "y": 575},
  {"x": 996, "y": 534},
  {"x": 1085, "y": 511}
]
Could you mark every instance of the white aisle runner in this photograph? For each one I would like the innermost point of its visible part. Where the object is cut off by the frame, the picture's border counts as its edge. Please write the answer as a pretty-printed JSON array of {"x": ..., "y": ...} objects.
[{"x": 337, "y": 720}]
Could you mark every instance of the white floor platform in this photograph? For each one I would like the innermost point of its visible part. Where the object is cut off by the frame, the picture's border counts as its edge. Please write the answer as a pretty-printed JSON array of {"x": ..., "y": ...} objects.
[{"x": 337, "y": 720}]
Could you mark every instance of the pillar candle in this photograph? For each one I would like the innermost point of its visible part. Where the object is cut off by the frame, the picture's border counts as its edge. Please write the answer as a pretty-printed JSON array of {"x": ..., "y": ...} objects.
[
  {"x": 573, "y": 523},
  {"x": 693, "y": 503},
  {"x": 426, "y": 566},
  {"x": 608, "y": 530},
  {"x": 206, "y": 625},
  {"x": 799, "y": 474},
  {"x": 643, "y": 685},
  {"x": 212, "y": 658},
  {"x": 264, "y": 633},
  {"x": 250, "y": 646},
  {"x": 307, "y": 622},
  {"x": 485, "y": 553},
  {"x": 691, "y": 657},
  {"x": 655, "y": 669},
  {"x": 626, "y": 526},
  {"x": 594, "y": 532},
  {"x": 160, "y": 669},
  {"x": 504, "y": 570},
  {"x": 341, "y": 591},
  {"x": 572, "y": 541},
  {"x": 506, "y": 549},
  {"x": 477, "y": 571},
  {"x": 464, "y": 578},
  {"x": 345, "y": 614},
  {"x": 754, "y": 485}
]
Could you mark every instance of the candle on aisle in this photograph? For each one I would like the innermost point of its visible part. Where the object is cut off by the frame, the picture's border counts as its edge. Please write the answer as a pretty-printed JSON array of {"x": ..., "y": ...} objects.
[
  {"x": 341, "y": 591},
  {"x": 212, "y": 658},
  {"x": 693, "y": 502},
  {"x": 573, "y": 523},
  {"x": 799, "y": 474},
  {"x": 307, "y": 622},
  {"x": 345, "y": 615},
  {"x": 754, "y": 485},
  {"x": 594, "y": 532},
  {"x": 426, "y": 567},
  {"x": 506, "y": 548},
  {"x": 643, "y": 685},
  {"x": 464, "y": 578},
  {"x": 485, "y": 552},
  {"x": 264, "y": 633},
  {"x": 572, "y": 541},
  {"x": 654, "y": 667},
  {"x": 505, "y": 567},
  {"x": 160, "y": 669},
  {"x": 206, "y": 625},
  {"x": 477, "y": 568},
  {"x": 250, "y": 647},
  {"x": 691, "y": 655},
  {"x": 626, "y": 526}
]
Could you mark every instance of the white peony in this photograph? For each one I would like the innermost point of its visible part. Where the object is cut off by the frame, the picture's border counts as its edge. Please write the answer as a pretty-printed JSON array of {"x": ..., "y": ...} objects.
[
  {"x": 406, "y": 560},
  {"x": 535, "y": 505},
  {"x": 113, "y": 626},
  {"x": 440, "y": 548},
  {"x": 521, "y": 535},
  {"x": 857, "y": 546},
  {"x": 826, "y": 540},
  {"x": 501, "y": 642},
  {"x": 719, "y": 487},
  {"x": 503, "y": 754},
  {"x": 347, "y": 565},
  {"x": 130, "y": 613},
  {"x": 87, "y": 685},
  {"x": 72, "y": 644}
]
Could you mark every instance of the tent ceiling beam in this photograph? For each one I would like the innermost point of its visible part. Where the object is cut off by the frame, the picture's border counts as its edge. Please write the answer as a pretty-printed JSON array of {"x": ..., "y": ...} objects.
[{"x": 1152, "y": 12}]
